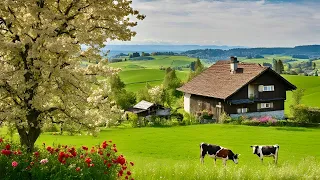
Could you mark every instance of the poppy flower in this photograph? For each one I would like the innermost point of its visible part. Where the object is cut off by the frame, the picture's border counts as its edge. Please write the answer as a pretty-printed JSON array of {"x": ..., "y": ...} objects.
[
  {"x": 36, "y": 154},
  {"x": 131, "y": 163},
  {"x": 8, "y": 147},
  {"x": 78, "y": 169},
  {"x": 129, "y": 173},
  {"x": 1, "y": 140}
]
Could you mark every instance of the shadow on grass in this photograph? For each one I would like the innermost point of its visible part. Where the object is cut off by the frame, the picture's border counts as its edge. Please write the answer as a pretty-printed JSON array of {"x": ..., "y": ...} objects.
[{"x": 293, "y": 129}]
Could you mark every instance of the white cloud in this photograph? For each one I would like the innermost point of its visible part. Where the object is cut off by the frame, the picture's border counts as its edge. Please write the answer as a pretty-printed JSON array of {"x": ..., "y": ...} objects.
[{"x": 230, "y": 22}]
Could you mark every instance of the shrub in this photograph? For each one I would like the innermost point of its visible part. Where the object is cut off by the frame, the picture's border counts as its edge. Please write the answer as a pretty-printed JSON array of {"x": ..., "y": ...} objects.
[
  {"x": 63, "y": 162},
  {"x": 224, "y": 118},
  {"x": 305, "y": 114},
  {"x": 133, "y": 119},
  {"x": 50, "y": 128}
]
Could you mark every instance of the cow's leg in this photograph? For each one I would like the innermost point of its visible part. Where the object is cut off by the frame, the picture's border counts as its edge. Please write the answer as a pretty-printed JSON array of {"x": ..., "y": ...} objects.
[
  {"x": 224, "y": 162},
  {"x": 261, "y": 158},
  {"x": 215, "y": 160},
  {"x": 275, "y": 157},
  {"x": 201, "y": 159}
]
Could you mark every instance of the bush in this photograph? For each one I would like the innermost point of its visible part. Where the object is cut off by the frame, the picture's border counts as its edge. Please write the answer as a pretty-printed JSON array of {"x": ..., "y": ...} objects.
[
  {"x": 63, "y": 162},
  {"x": 224, "y": 118},
  {"x": 306, "y": 114},
  {"x": 133, "y": 119},
  {"x": 50, "y": 127}
]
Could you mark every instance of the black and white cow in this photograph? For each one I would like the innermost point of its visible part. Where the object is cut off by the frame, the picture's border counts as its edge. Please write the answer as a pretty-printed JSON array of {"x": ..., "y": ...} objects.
[
  {"x": 217, "y": 152},
  {"x": 266, "y": 151}
]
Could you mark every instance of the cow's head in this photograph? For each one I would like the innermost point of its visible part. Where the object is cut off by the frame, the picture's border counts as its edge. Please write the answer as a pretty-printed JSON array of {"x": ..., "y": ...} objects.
[
  {"x": 254, "y": 149},
  {"x": 235, "y": 158}
]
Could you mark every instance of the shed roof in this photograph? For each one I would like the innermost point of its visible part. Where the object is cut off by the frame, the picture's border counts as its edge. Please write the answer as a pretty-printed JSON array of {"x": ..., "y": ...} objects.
[{"x": 143, "y": 105}]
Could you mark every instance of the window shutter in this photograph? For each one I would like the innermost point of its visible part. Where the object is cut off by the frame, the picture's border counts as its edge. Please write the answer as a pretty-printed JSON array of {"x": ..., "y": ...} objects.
[
  {"x": 259, "y": 106},
  {"x": 271, "y": 105},
  {"x": 239, "y": 110},
  {"x": 260, "y": 88}
]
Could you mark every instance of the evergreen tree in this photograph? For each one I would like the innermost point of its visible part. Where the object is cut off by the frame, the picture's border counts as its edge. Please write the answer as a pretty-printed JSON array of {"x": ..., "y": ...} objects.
[
  {"x": 275, "y": 65},
  {"x": 171, "y": 82},
  {"x": 116, "y": 83},
  {"x": 198, "y": 66},
  {"x": 280, "y": 67},
  {"x": 314, "y": 65}
]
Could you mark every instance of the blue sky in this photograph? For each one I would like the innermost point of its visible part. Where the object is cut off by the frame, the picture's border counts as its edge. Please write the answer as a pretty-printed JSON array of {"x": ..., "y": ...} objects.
[{"x": 253, "y": 23}]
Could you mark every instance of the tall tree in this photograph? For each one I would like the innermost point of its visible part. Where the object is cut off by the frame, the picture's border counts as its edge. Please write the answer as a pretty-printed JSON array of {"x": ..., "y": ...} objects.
[
  {"x": 275, "y": 65},
  {"x": 280, "y": 66},
  {"x": 171, "y": 82},
  {"x": 41, "y": 50},
  {"x": 198, "y": 68},
  {"x": 314, "y": 65}
]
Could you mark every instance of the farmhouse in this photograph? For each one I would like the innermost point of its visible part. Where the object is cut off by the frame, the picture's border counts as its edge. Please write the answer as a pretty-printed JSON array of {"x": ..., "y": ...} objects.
[{"x": 238, "y": 89}]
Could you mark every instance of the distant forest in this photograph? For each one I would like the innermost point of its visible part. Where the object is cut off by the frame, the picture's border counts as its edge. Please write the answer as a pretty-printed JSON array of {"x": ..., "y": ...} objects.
[{"x": 303, "y": 52}]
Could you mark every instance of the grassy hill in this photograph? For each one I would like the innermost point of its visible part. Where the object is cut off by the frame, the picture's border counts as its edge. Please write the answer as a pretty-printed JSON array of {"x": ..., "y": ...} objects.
[{"x": 135, "y": 74}]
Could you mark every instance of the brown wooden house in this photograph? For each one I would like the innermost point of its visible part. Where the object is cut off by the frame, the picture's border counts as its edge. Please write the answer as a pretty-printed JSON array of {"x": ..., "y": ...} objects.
[{"x": 238, "y": 89}]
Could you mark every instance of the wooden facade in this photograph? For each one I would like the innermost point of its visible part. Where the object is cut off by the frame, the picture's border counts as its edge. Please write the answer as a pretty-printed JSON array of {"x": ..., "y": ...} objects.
[{"x": 216, "y": 106}]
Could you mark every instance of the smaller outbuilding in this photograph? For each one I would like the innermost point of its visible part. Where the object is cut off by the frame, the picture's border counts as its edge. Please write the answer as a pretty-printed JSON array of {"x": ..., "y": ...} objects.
[{"x": 145, "y": 108}]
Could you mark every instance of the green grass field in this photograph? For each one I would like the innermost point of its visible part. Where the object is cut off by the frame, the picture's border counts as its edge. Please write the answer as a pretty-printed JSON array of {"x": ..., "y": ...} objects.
[
  {"x": 164, "y": 61},
  {"x": 173, "y": 153}
]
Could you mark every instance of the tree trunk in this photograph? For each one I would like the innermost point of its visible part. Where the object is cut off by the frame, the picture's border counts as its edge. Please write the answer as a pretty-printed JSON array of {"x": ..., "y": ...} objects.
[{"x": 28, "y": 136}]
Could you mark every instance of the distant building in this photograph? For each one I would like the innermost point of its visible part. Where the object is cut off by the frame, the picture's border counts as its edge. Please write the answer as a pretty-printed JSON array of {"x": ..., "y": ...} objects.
[
  {"x": 238, "y": 89},
  {"x": 145, "y": 108}
]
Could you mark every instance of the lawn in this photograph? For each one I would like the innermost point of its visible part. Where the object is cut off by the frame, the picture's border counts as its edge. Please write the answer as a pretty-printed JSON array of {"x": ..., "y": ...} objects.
[{"x": 173, "y": 153}]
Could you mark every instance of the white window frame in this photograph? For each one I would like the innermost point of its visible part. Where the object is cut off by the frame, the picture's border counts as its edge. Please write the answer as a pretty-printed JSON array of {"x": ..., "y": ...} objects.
[
  {"x": 265, "y": 105},
  {"x": 268, "y": 88},
  {"x": 242, "y": 110}
]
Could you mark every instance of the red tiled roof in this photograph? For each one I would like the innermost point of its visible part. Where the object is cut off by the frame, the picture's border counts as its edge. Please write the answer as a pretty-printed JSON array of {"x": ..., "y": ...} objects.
[{"x": 218, "y": 82}]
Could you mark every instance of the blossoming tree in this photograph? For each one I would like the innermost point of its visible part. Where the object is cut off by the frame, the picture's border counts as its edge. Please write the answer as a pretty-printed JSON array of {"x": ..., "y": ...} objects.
[{"x": 42, "y": 77}]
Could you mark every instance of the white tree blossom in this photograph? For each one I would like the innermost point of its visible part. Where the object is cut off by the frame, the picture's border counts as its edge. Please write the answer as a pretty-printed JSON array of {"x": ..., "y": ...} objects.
[{"x": 41, "y": 77}]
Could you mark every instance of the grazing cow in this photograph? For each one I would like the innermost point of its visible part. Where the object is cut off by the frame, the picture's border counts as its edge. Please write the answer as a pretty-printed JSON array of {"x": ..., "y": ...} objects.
[
  {"x": 266, "y": 151},
  {"x": 217, "y": 152}
]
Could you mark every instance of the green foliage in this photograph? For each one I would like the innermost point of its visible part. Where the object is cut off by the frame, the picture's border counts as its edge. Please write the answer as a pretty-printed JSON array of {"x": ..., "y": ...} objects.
[
  {"x": 171, "y": 82},
  {"x": 125, "y": 99},
  {"x": 280, "y": 66},
  {"x": 224, "y": 118},
  {"x": 198, "y": 68},
  {"x": 116, "y": 83},
  {"x": 305, "y": 114},
  {"x": 133, "y": 119},
  {"x": 62, "y": 162},
  {"x": 143, "y": 94},
  {"x": 297, "y": 96}
]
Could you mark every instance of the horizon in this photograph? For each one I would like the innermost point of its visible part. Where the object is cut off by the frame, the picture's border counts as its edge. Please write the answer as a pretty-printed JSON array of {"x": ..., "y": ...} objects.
[{"x": 249, "y": 23}]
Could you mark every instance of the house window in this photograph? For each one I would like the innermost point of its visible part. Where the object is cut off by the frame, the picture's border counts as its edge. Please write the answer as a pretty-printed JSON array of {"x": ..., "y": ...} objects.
[
  {"x": 268, "y": 88},
  {"x": 242, "y": 110},
  {"x": 266, "y": 105}
]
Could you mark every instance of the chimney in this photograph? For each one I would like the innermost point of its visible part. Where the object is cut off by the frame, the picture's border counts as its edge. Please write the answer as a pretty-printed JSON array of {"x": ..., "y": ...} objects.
[{"x": 233, "y": 64}]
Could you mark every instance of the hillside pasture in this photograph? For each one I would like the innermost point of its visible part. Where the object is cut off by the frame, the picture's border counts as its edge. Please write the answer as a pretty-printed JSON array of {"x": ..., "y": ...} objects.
[
  {"x": 269, "y": 59},
  {"x": 173, "y": 153},
  {"x": 159, "y": 61},
  {"x": 311, "y": 85}
]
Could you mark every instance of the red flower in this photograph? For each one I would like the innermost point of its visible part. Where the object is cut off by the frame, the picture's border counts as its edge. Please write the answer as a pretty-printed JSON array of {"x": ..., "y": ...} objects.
[
  {"x": 81, "y": 156},
  {"x": 131, "y": 163},
  {"x": 120, "y": 173},
  {"x": 74, "y": 153},
  {"x": 105, "y": 161},
  {"x": 121, "y": 160},
  {"x": 85, "y": 148},
  {"x": 114, "y": 145},
  {"x": 49, "y": 148},
  {"x": 109, "y": 165},
  {"x": 8, "y": 147},
  {"x": 61, "y": 154},
  {"x": 115, "y": 150},
  {"x": 14, "y": 164},
  {"x": 126, "y": 177},
  {"x": 1, "y": 140},
  {"x": 129, "y": 173},
  {"x": 108, "y": 154},
  {"x": 110, "y": 141},
  {"x": 124, "y": 167},
  {"x": 78, "y": 169},
  {"x": 5, "y": 152},
  {"x": 88, "y": 160},
  {"x": 36, "y": 154}
]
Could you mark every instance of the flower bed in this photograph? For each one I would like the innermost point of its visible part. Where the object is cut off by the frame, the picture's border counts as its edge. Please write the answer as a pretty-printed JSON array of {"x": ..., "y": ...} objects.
[{"x": 63, "y": 162}]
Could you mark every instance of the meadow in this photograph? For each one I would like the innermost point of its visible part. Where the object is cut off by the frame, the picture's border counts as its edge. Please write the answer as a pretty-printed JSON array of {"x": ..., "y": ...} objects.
[{"x": 173, "y": 153}]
